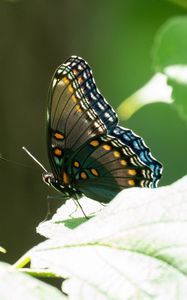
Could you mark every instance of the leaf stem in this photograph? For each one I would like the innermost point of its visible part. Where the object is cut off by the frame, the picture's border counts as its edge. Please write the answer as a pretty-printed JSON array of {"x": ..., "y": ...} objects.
[
  {"x": 39, "y": 273},
  {"x": 22, "y": 261},
  {"x": 2, "y": 250}
]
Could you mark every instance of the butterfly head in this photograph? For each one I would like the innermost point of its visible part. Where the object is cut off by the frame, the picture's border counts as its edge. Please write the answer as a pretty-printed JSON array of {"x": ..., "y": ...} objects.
[
  {"x": 48, "y": 178},
  {"x": 66, "y": 191}
]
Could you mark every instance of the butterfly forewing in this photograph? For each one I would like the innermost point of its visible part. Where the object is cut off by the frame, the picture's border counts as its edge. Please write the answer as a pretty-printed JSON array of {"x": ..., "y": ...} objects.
[
  {"x": 85, "y": 77},
  {"x": 72, "y": 120}
]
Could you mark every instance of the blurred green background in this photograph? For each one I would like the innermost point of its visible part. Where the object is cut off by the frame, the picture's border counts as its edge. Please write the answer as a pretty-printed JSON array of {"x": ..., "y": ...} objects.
[{"x": 116, "y": 38}]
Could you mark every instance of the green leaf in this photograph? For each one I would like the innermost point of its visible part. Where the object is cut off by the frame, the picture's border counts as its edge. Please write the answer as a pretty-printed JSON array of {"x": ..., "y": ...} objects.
[
  {"x": 155, "y": 90},
  {"x": 14, "y": 285},
  {"x": 170, "y": 58},
  {"x": 135, "y": 248},
  {"x": 169, "y": 84},
  {"x": 182, "y": 3},
  {"x": 171, "y": 44}
]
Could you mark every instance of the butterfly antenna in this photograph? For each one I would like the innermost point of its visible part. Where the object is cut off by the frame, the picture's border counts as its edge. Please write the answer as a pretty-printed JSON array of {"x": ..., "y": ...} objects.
[
  {"x": 8, "y": 160},
  {"x": 34, "y": 158},
  {"x": 5, "y": 159},
  {"x": 13, "y": 162}
]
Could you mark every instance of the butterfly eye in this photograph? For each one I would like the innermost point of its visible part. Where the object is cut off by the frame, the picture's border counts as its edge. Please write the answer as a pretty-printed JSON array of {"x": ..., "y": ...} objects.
[{"x": 48, "y": 178}]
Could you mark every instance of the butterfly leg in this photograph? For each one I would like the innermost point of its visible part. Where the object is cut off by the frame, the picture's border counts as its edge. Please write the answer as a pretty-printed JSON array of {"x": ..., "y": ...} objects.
[{"x": 79, "y": 205}]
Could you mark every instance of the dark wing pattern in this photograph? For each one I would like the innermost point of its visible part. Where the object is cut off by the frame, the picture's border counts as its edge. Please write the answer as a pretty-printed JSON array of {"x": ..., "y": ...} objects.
[
  {"x": 110, "y": 119},
  {"x": 104, "y": 166},
  {"x": 71, "y": 119},
  {"x": 137, "y": 144},
  {"x": 88, "y": 152},
  {"x": 84, "y": 74}
]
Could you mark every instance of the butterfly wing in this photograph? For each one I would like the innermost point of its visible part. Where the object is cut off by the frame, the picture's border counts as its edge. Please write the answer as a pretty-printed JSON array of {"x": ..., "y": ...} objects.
[
  {"x": 104, "y": 166},
  {"x": 71, "y": 119},
  {"x": 137, "y": 144},
  {"x": 88, "y": 151},
  {"x": 109, "y": 117},
  {"x": 87, "y": 83}
]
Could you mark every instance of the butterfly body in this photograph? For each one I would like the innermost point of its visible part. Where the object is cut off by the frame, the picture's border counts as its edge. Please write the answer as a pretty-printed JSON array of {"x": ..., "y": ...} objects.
[
  {"x": 89, "y": 153},
  {"x": 67, "y": 191}
]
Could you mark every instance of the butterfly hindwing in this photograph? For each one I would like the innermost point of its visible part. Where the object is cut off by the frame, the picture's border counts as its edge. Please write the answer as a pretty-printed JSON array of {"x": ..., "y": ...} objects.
[
  {"x": 103, "y": 167},
  {"x": 136, "y": 143}
]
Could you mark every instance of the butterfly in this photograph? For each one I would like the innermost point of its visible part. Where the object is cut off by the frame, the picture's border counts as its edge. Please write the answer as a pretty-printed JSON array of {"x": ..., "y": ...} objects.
[{"x": 89, "y": 153}]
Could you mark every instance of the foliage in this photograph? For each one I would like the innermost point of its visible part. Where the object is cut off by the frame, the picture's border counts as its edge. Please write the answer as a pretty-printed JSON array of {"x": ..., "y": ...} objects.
[
  {"x": 180, "y": 2},
  {"x": 133, "y": 249},
  {"x": 15, "y": 285},
  {"x": 169, "y": 84}
]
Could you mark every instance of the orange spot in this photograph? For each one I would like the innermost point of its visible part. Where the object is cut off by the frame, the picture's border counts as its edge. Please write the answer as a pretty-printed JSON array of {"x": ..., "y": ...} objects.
[
  {"x": 94, "y": 143},
  {"x": 132, "y": 172},
  {"x": 78, "y": 108},
  {"x": 70, "y": 88},
  {"x": 57, "y": 152},
  {"x": 80, "y": 80},
  {"x": 107, "y": 147},
  {"x": 83, "y": 175},
  {"x": 117, "y": 154},
  {"x": 123, "y": 162},
  {"x": 75, "y": 72},
  {"x": 59, "y": 136},
  {"x": 76, "y": 164},
  {"x": 65, "y": 178},
  {"x": 73, "y": 98},
  {"x": 66, "y": 80},
  {"x": 94, "y": 172},
  {"x": 131, "y": 182}
]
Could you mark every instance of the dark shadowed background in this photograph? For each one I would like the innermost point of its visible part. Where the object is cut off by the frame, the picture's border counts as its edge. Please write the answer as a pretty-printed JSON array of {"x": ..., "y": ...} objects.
[{"x": 116, "y": 38}]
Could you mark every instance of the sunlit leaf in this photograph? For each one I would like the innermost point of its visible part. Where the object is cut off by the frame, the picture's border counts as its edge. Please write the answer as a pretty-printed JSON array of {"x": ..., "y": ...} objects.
[
  {"x": 156, "y": 90},
  {"x": 68, "y": 217},
  {"x": 14, "y": 285},
  {"x": 135, "y": 248}
]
